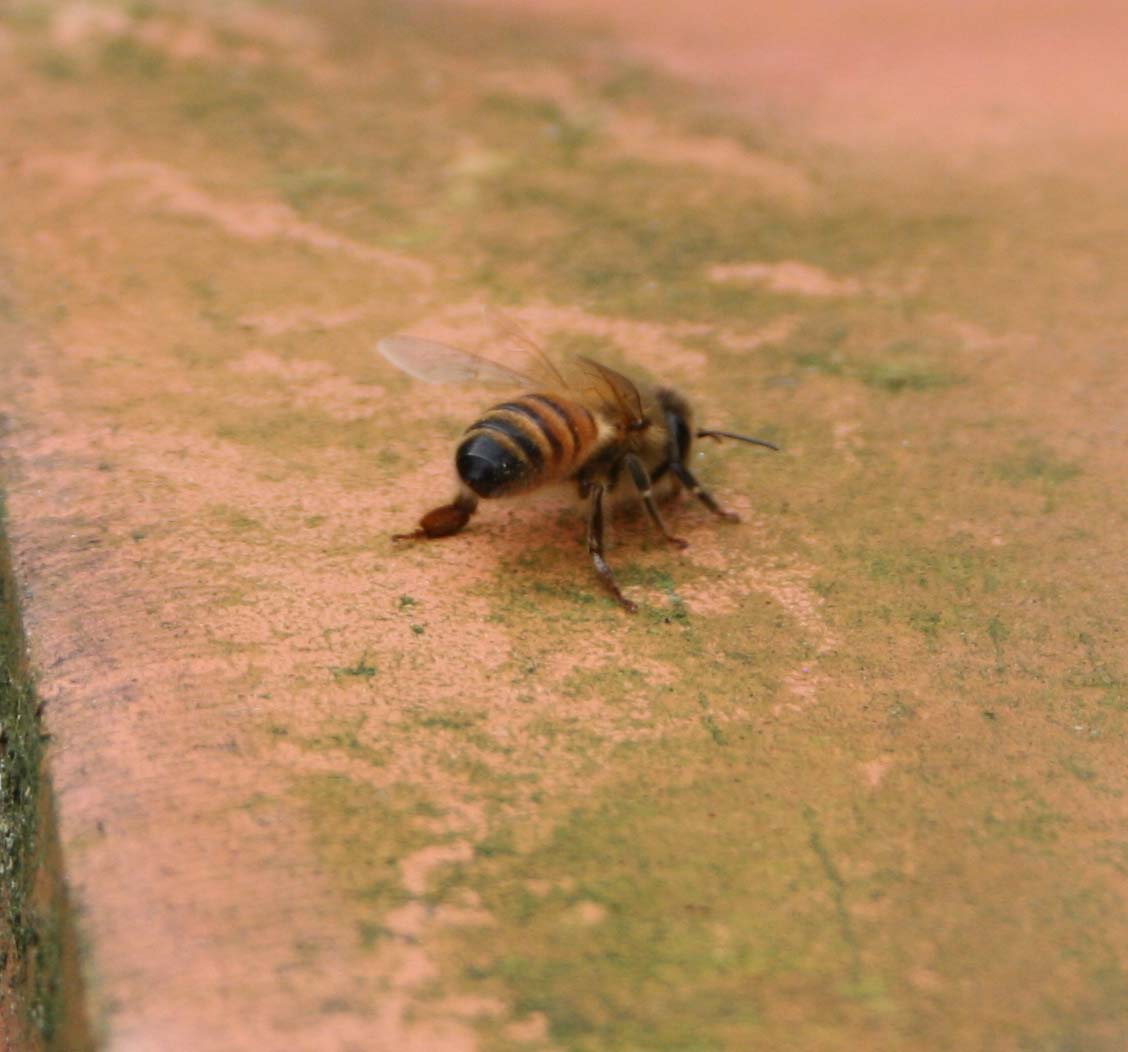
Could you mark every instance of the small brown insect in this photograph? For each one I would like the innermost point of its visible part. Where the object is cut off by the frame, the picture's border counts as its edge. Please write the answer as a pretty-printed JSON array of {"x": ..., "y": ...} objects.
[{"x": 591, "y": 430}]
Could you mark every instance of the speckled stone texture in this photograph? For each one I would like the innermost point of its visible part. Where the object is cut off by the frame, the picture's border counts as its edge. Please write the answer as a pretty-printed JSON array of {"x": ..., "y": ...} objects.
[{"x": 851, "y": 778}]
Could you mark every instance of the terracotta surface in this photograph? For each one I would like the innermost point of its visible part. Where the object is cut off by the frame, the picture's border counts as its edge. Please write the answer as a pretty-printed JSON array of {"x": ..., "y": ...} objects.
[
  {"x": 854, "y": 776},
  {"x": 951, "y": 76}
]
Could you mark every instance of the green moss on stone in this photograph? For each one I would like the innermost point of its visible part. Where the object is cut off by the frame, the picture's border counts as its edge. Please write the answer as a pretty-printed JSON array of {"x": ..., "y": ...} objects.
[{"x": 38, "y": 954}]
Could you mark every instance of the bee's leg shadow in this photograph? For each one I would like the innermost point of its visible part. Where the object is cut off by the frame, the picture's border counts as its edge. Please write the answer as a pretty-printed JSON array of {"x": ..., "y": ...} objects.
[{"x": 443, "y": 521}]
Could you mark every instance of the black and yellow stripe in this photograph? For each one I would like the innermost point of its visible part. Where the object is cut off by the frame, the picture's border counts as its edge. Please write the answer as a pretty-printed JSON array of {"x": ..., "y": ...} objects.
[{"x": 518, "y": 445}]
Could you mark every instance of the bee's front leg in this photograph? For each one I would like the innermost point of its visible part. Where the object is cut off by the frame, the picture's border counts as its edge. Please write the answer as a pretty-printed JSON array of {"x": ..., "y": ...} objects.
[
  {"x": 687, "y": 479},
  {"x": 444, "y": 520}
]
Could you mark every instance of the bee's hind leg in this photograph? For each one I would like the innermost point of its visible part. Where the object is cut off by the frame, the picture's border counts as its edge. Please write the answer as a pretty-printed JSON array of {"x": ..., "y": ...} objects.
[
  {"x": 595, "y": 546},
  {"x": 444, "y": 520}
]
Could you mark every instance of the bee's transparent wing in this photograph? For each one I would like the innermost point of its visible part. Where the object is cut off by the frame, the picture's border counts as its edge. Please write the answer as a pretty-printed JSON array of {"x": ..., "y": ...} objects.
[
  {"x": 614, "y": 389},
  {"x": 578, "y": 375},
  {"x": 438, "y": 363},
  {"x": 541, "y": 366}
]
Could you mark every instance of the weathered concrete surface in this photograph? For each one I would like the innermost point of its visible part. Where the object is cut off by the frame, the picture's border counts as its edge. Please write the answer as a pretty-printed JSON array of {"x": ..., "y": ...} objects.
[{"x": 853, "y": 778}]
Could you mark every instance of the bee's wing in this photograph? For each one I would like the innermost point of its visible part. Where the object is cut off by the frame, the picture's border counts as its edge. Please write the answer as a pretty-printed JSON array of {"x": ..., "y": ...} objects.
[
  {"x": 581, "y": 376},
  {"x": 541, "y": 366},
  {"x": 615, "y": 390},
  {"x": 437, "y": 363}
]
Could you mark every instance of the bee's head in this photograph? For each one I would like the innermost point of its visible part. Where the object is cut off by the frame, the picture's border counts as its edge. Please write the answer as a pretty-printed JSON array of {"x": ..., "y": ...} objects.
[{"x": 678, "y": 416}]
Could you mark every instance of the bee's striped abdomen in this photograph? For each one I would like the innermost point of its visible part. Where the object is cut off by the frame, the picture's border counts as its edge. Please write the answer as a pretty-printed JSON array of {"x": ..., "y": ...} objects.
[{"x": 517, "y": 445}]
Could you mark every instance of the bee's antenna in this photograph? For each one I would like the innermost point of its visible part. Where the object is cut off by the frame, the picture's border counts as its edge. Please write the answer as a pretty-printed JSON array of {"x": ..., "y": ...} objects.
[{"x": 718, "y": 435}]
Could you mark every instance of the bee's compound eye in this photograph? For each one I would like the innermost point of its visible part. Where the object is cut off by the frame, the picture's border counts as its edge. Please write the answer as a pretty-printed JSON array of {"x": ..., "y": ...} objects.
[{"x": 683, "y": 435}]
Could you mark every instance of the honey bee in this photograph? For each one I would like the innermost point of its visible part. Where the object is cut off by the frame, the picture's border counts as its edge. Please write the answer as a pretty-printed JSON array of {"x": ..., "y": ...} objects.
[{"x": 592, "y": 431}]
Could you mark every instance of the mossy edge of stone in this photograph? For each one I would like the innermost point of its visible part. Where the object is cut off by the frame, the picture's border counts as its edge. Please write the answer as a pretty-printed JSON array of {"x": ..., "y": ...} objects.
[{"x": 39, "y": 965}]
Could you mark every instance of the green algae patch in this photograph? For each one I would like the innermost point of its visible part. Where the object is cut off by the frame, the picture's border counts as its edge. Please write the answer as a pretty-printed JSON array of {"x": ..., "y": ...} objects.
[
  {"x": 362, "y": 669},
  {"x": 712, "y": 894},
  {"x": 361, "y": 834},
  {"x": 650, "y": 916},
  {"x": 341, "y": 736},
  {"x": 1034, "y": 462}
]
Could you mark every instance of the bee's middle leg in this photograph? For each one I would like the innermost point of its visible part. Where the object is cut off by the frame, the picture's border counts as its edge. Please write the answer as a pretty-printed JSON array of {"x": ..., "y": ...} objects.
[
  {"x": 644, "y": 485},
  {"x": 595, "y": 546},
  {"x": 444, "y": 520}
]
